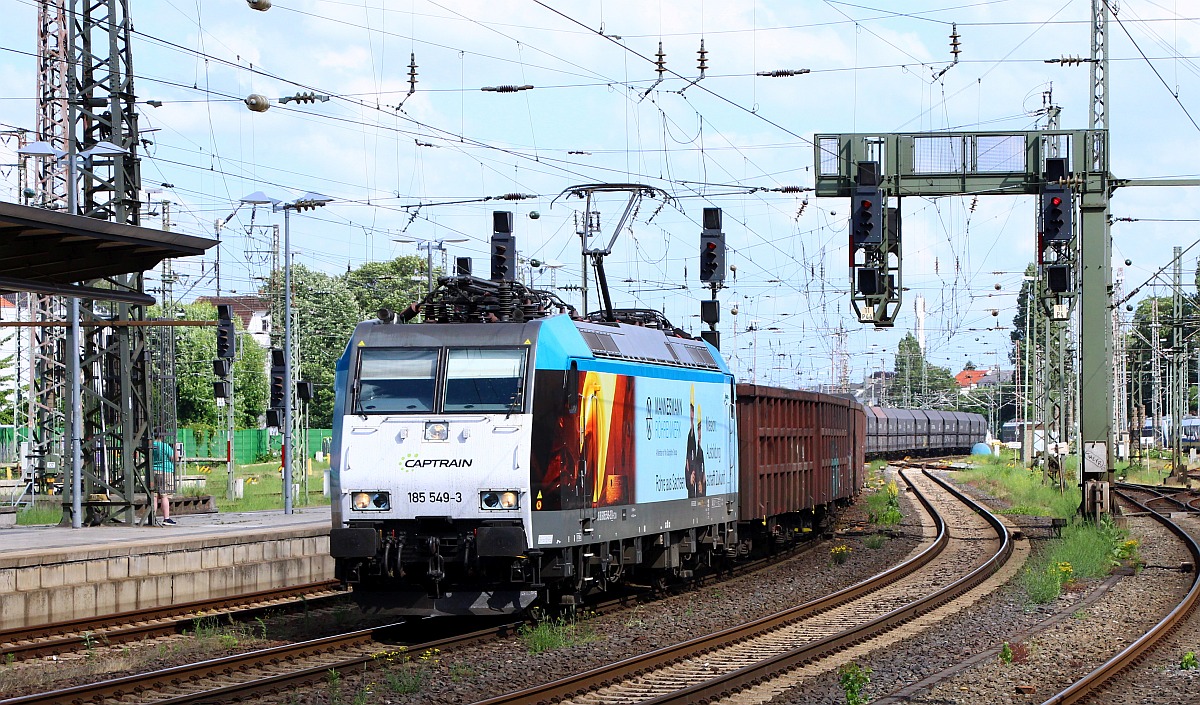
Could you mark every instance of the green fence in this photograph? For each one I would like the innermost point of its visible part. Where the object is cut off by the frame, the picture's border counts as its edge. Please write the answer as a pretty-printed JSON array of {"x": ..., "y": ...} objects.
[
  {"x": 251, "y": 445},
  {"x": 10, "y": 444}
]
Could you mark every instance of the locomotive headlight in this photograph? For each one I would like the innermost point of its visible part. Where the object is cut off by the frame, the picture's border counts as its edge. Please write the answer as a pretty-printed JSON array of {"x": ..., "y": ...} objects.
[
  {"x": 437, "y": 430},
  {"x": 370, "y": 501},
  {"x": 499, "y": 499}
]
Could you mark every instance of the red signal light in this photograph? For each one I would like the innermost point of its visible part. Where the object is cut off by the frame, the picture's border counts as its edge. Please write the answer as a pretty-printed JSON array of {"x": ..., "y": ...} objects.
[
  {"x": 1056, "y": 201},
  {"x": 866, "y": 205},
  {"x": 710, "y": 246}
]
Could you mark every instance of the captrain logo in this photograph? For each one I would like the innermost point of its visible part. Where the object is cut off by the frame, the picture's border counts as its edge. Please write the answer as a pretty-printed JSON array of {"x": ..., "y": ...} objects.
[{"x": 411, "y": 461}]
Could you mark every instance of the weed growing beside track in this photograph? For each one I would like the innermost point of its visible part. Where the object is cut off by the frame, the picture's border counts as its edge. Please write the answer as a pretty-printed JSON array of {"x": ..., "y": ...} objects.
[
  {"x": 1085, "y": 550},
  {"x": 1022, "y": 490}
]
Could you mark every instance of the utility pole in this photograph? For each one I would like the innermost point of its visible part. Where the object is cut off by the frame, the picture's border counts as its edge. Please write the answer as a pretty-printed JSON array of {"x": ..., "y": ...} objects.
[
  {"x": 1178, "y": 370},
  {"x": 161, "y": 344},
  {"x": 1120, "y": 369},
  {"x": 1155, "y": 372}
]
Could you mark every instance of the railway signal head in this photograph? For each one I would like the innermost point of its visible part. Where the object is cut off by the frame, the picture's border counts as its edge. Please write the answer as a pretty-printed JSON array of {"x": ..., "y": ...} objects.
[
  {"x": 278, "y": 378},
  {"x": 226, "y": 340},
  {"x": 504, "y": 247},
  {"x": 866, "y": 217},
  {"x": 226, "y": 333},
  {"x": 1057, "y": 206},
  {"x": 712, "y": 248}
]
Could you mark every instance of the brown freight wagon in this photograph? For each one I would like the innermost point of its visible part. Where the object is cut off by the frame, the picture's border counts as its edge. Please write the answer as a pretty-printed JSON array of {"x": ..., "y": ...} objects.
[{"x": 800, "y": 455}]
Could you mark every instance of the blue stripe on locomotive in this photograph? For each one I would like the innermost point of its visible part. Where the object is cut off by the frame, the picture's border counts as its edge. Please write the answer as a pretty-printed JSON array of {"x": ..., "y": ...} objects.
[
  {"x": 559, "y": 342},
  {"x": 341, "y": 380}
]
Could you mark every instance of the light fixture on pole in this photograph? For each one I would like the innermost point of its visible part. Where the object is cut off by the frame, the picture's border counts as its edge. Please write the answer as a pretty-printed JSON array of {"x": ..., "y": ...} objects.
[
  {"x": 429, "y": 246},
  {"x": 308, "y": 201},
  {"x": 258, "y": 198}
]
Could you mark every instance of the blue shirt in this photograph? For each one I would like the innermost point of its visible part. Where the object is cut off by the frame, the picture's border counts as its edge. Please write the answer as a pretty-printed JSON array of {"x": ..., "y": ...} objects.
[{"x": 162, "y": 456}]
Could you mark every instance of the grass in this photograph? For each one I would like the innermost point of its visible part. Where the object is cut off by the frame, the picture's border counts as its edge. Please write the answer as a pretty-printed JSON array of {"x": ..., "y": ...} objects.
[
  {"x": 262, "y": 489},
  {"x": 883, "y": 505},
  {"x": 1023, "y": 490},
  {"x": 554, "y": 634},
  {"x": 1086, "y": 550},
  {"x": 404, "y": 673},
  {"x": 41, "y": 512}
]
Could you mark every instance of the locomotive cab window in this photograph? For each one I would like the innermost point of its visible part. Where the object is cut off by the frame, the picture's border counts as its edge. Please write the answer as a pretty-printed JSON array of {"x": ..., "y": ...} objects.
[
  {"x": 484, "y": 379},
  {"x": 392, "y": 381}
]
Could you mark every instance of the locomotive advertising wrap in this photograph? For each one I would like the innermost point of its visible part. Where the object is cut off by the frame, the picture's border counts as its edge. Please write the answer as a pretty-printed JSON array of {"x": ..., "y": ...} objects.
[{"x": 629, "y": 440}]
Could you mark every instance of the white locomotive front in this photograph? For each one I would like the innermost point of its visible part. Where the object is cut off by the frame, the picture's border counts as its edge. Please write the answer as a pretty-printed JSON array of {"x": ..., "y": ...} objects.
[{"x": 432, "y": 470}]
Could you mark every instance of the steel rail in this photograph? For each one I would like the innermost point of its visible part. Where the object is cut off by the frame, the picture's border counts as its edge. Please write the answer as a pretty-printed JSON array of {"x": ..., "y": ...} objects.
[
  {"x": 273, "y": 685},
  {"x": 117, "y": 688},
  {"x": 1089, "y": 683},
  {"x": 70, "y": 635},
  {"x": 277, "y": 683},
  {"x": 639, "y": 665},
  {"x": 1160, "y": 494},
  {"x": 770, "y": 668}
]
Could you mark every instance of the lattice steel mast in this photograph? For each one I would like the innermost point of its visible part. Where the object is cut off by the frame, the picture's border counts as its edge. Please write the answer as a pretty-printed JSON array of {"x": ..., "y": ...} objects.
[{"x": 86, "y": 96}]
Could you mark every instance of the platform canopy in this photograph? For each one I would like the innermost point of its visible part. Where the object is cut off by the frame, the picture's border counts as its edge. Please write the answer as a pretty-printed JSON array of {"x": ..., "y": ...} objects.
[{"x": 49, "y": 252}]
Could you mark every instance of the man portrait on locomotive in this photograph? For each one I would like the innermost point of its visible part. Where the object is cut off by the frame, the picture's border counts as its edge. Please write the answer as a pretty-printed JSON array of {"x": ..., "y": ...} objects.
[{"x": 694, "y": 460}]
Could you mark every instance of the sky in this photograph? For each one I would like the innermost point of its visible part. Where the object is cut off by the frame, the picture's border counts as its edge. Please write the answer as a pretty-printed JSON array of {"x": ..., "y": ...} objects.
[{"x": 433, "y": 164}]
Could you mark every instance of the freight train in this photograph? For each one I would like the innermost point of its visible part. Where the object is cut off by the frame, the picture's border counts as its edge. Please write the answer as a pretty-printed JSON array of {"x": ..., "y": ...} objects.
[{"x": 506, "y": 453}]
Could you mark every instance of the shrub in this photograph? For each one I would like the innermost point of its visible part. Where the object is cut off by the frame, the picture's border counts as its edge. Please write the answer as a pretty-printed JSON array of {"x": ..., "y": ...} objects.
[{"x": 853, "y": 679}]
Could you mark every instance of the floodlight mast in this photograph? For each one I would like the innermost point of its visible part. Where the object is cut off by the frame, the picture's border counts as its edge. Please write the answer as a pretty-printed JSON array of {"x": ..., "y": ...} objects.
[{"x": 587, "y": 191}]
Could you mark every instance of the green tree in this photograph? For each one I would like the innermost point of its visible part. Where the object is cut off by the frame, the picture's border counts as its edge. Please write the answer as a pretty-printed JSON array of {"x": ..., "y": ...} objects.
[
  {"x": 1027, "y": 314},
  {"x": 195, "y": 349},
  {"x": 394, "y": 284},
  {"x": 918, "y": 384},
  {"x": 249, "y": 381},
  {"x": 325, "y": 313},
  {"x": 8, "y": 367}
]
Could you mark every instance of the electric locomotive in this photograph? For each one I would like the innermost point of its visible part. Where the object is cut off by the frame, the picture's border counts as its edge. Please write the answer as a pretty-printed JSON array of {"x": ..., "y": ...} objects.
[{"x": 506, "y": 452}]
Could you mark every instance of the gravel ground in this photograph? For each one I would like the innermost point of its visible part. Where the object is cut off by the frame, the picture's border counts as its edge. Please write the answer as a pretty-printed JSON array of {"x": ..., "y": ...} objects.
[
  {"x": 507, "y": 665},
  {"x": 1091, "y": 620},
  {"x": 1084, "y": 635}
]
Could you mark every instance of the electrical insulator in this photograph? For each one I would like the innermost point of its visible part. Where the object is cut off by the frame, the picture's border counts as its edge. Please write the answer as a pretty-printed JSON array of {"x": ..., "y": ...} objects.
[
  {"x": 506, "y": 88},
  {"x": 257, "y": 103}
]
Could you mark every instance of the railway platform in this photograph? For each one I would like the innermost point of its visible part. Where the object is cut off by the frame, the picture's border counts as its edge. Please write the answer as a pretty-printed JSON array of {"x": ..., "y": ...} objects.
[{"x": 53, "y": 573}]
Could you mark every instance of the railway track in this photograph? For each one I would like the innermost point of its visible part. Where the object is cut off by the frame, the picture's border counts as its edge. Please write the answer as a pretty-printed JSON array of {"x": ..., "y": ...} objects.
[
  {"x": 1083, "y": 689},
  {"x": 241, "y": 677},
  {"x": 256, "y": 674},
  {"x": 715, "y": 666},
  {"x": 79, "y": 634}
]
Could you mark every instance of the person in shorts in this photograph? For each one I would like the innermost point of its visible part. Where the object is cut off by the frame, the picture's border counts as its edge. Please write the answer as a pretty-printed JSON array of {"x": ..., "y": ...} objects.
[{"x": 162, "y": 459}]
